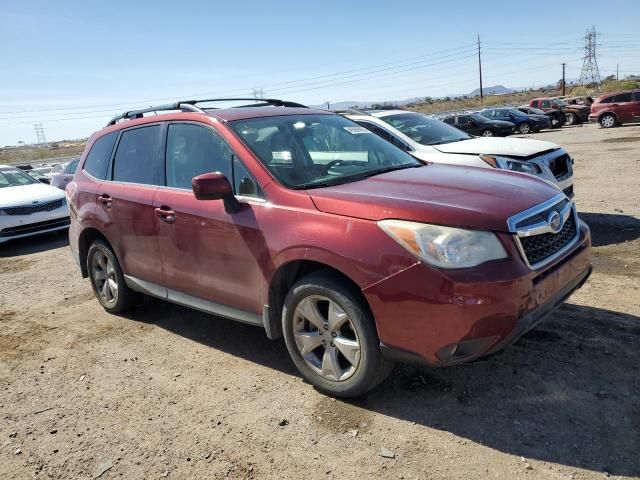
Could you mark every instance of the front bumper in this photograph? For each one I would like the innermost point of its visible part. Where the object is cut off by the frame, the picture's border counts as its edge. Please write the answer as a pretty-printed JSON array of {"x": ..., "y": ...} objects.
[
  {"x": 593, "y": 118},
  {"x": 21, "y": 226},
  {"x": 452, "y": 317}
]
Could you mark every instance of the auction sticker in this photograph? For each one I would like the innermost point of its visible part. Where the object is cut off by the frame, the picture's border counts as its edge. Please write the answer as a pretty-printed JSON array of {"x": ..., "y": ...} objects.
[{"x": 356, "y": 130}]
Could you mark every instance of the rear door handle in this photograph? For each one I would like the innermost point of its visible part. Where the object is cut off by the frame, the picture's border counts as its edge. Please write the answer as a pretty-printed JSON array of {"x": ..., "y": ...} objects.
[
  {"x": 105, "y": 199},
  {"x": 166, "y": 214}
]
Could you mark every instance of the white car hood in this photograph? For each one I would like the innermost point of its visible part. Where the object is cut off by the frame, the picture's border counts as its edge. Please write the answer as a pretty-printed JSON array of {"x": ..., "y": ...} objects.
[
  {"x": 28, "y": 194},
  {"x": 512, "y": 147}
]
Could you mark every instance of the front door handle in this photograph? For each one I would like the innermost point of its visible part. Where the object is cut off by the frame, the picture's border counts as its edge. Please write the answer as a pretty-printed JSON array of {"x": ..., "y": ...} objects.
[
  {"x": 105, "y": 199},
  {"x": 166, "y": 214}
]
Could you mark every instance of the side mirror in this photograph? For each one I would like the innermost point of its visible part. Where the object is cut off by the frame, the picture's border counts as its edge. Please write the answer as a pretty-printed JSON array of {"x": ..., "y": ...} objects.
[{"x": 215, "y": 186}]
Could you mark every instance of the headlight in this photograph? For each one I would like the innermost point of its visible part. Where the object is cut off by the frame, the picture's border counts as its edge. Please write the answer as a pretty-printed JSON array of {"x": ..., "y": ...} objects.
[
  {"x": 445, "y": 247},
  {"x": 513, "y": 165}
]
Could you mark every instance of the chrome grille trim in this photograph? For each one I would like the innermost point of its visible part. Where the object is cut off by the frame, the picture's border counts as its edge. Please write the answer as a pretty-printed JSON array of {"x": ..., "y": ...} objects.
[{"x": 539, "y": 229}]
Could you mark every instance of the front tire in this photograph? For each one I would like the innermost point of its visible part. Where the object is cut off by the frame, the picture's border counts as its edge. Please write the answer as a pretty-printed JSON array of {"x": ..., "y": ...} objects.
[
  {"x": 107, "y": 279},
  {"x": 608, "y": 120},
  {"x": 331, "y": 336},
  {"x": 570, "y": 119},
  {"x": 524, "y": 128},
  {"x": 487, "y": 133}
]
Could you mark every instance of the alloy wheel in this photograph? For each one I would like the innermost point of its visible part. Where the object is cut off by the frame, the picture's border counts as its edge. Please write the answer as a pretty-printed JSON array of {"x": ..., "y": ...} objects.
[
  {"x": 104, "y": 277},
  {"x": 487, "y": 133},
  {"x": 569, "y": 119},
  {"x": 524, "y": 128},
  {"x": 326, "y": 338},
  {"x": 608, "y": 121}
]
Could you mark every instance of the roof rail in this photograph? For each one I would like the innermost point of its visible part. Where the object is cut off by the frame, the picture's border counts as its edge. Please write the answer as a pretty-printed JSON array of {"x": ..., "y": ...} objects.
[
  {"x": 133, "y": 114},
  {"x": 190, "y": 106},
  {"x": 349, "y": 111}
]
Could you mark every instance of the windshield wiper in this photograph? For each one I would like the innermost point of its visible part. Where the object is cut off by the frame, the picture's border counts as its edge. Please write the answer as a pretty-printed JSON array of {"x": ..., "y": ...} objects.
[{"x": 356, "y": 177}]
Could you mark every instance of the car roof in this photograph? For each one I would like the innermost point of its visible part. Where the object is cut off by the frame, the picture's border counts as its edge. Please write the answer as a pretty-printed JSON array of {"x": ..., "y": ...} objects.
[
  {"x": 245, "y": 113},
  {"x": 385, "y": 113}
]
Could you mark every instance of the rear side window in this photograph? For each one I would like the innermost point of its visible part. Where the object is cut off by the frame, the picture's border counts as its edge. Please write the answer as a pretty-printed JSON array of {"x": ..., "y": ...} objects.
[
  {"x": 636, "y": 96},
  {"x": 193, "y": 150},
  {"x": 97, "y": 161},
  {"x": 545, "y": 104},
  {"x": 623, "y": 97},
  {"x": 137, "y": 156},
  {"x": 607, "y": 100}
]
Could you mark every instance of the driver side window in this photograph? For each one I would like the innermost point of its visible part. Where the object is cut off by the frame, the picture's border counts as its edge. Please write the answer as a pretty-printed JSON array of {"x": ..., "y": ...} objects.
[{"x": 193, "y": 150}]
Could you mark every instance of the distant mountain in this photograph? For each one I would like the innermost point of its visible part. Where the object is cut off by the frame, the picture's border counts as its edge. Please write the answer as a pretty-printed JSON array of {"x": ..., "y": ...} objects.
[
  {"x": 357, "y": 104},
  {"x": 496, "y": 89}
]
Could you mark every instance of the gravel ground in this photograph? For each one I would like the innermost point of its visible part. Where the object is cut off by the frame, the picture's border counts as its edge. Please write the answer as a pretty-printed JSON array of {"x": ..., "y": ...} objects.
[{"x": 167, "y": 392}]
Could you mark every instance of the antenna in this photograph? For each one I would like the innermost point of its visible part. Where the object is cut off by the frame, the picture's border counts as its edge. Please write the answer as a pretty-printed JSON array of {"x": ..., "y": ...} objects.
[{"x": 590, "y": 75}]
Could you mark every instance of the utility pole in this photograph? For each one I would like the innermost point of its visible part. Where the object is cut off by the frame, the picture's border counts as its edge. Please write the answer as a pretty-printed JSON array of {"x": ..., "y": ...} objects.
[
  {"x": 480, "y": 72},
  {"x": 590, "y": 75},
  {"x": 564, "y": 83},
  {"x": 617, "y": 77}
]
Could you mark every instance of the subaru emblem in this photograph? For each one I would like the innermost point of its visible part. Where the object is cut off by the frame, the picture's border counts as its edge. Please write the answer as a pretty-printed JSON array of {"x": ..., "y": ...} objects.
[{"x": 555, "y": 221}]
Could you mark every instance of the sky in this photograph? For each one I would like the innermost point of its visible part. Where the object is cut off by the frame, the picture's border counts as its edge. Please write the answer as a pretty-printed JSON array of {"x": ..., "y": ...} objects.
[{"x": 73, "y": 65}]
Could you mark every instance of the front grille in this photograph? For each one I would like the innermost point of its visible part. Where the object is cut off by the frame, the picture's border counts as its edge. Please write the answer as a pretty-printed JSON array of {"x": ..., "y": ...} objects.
[
  {"x": 35, "y": 227},
  {"x": 540, "y": 247},
  {"x": 559, "y": 166},
  {"x": 29, "y": 209}
]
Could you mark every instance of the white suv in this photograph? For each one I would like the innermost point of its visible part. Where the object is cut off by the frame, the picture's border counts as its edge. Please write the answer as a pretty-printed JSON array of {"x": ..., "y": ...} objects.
[{"x": 432, "y": 140}]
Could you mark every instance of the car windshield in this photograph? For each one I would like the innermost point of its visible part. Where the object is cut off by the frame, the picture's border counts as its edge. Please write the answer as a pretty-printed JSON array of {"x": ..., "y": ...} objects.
[
  {"x": 425, "y": 130},
  {"x": 14, "y": 178},
  {"x": 312, "y": 151},
  {"x": 479, "y": 118}
]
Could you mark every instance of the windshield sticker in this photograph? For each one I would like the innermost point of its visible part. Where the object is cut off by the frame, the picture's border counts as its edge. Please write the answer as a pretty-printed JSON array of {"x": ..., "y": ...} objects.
[{"x": 356, "y": 130}]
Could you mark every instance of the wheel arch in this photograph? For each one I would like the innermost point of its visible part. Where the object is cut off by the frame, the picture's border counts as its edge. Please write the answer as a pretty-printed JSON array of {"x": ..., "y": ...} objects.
[
  {"x": 607, "y": 112},
  {"x": 86, "y": 238},
  {"x": 288, "y": 274}
]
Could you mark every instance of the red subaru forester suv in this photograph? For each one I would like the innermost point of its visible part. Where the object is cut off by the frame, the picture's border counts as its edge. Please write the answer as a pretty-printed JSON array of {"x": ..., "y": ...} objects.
[{"x": 308, "y": 225}]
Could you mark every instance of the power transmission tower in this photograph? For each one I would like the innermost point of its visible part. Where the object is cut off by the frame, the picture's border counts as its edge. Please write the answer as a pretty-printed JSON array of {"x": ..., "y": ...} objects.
[
  {"x": 39, "y": 128},
  {"x": 257, "y": 93},
  {"x": 590, "y": 75}
]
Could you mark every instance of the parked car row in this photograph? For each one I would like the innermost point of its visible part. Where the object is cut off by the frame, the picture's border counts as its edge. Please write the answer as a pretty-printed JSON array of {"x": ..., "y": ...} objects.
[{"x": 351, "y": 235}]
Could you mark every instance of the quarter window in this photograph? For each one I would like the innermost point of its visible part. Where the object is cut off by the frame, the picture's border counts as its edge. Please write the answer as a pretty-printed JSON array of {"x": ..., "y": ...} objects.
[
  {"x": 97, "y": 161},
  {"x": 136, "y": 159},
  {"x": 193, "y": 150},
  {"x": 243, "y": 182}
]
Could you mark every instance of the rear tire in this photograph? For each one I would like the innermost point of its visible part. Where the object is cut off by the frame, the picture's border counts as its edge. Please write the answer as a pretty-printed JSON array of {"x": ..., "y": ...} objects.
[
  {"x": 570, "y": 119},
  {"x": 487, "y": 132},
  {"x": 331, "y": 336},
  {"x": 107, "y": 279},
  {"x": 608, "y": 120},
  {"x": 524, "y": 128}
]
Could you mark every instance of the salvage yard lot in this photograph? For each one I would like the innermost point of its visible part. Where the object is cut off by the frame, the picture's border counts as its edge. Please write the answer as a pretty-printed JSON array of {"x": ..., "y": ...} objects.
[{"x": 166, "y": 392}]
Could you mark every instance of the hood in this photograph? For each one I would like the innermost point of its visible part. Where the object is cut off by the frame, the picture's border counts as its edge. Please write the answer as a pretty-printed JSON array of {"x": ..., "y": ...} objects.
[
  {"x": 478, "y": 198},
  {"x": 27, "y": 194},
  {"x": 511, "y": 147}
]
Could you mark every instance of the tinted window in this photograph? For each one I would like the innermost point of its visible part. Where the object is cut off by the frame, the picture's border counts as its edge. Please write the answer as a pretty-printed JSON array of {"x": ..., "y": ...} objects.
[
  {"x": 534, "y": 103},
  {"x": 71, "y": 167},
  {"x": 545, "y": 104},
  {"x": 136, "y": 158},
  {"x": 193, "y": 150},
  {"x": 623, "y": 97},
  {"x": 382, "y": 133},
  {"x": 464, "y": 121},
  {"x": 243, "y": 182},
  {"x": 636, "y": 96},
  {"x": 450, "y": 120},
  {"x": 97, "y": 161}
]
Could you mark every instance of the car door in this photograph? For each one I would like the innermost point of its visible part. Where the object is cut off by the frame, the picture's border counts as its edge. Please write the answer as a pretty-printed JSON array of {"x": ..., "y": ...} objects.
[
  {"x": 127, "y": 200},
  {"x": 207, "y": 253},
  {"x": 623, "y": 106},
  {"x": 465, "y": 124},
  {"x": 635, "y": 108}
]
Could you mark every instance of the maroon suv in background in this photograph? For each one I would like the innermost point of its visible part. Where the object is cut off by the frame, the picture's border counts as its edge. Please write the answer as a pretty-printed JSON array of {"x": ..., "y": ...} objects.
[
  {"x": 308, "y": 225},
  {"x": 616, "y": 108}
]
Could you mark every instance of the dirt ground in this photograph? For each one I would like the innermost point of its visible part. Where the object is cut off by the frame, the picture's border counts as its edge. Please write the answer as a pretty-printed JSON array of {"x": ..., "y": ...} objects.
[{"x": 171, "y": 393}]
